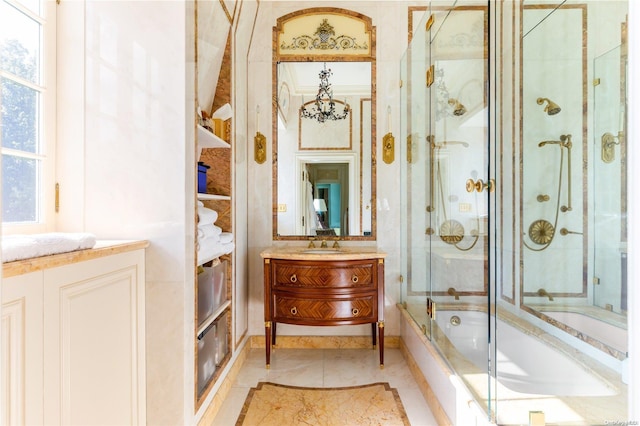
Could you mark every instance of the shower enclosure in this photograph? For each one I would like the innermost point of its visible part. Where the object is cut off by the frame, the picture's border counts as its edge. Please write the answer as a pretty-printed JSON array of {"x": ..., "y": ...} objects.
[{"x": 514, "y": 202}]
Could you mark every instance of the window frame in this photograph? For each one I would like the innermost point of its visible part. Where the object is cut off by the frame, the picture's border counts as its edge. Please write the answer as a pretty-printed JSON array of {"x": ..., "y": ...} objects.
[{"x": 47, "y": 121}]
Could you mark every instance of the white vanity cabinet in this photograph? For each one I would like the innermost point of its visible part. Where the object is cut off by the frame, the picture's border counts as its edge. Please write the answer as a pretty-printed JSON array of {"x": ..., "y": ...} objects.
[
  {"x": 75, "y": 346},
  {"x": 22, "y": 332}
]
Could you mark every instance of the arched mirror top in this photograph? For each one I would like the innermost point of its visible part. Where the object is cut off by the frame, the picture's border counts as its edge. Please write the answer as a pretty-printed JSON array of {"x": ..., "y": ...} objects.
[
  {"x": 324, "y": 164},
  {"x": 324, "y": 33}
]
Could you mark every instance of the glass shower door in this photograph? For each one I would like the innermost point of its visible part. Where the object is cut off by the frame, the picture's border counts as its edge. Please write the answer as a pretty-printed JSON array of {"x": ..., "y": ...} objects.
[
  {"x": 415, "y": 175},
  {"x": 460, "y": 190},
  {"x": 447, "y": 187}
]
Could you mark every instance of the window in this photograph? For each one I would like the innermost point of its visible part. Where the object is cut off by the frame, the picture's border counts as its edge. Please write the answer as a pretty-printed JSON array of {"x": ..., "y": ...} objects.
[{"x": 27, "y": 114}]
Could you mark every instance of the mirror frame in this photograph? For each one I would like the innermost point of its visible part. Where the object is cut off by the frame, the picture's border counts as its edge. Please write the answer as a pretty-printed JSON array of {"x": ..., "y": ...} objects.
[{"x": 324, "y": 57}]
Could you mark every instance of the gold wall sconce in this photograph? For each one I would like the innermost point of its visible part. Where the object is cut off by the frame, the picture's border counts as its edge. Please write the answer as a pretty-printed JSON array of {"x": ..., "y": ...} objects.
[
  {"x": 388, "y": 148},
  {"x": 259, "y": 142},
  {"x": 388, "y": 142},
  {"x": 260, "y": 148},
  {"x": 608, "y": 148}
]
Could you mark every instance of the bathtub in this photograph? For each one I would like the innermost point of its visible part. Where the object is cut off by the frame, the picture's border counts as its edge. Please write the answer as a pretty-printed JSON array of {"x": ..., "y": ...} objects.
[{"x": 524, "y": 364}]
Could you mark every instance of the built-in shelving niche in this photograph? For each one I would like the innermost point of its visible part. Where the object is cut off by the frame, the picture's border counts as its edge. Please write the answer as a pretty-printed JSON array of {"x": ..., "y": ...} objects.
[{"x": 216, "y": 153}]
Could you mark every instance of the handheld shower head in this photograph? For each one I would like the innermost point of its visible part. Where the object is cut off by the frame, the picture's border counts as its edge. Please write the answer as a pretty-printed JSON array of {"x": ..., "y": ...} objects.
[
  {"x": 552, "y": 108},
  {"x": 458, "y": 108}
]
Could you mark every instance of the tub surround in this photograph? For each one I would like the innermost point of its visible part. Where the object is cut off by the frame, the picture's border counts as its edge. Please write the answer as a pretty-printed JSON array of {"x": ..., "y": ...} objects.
[
  {"x": 613, "y": 343},
  {"x": 514, "y": 406}
]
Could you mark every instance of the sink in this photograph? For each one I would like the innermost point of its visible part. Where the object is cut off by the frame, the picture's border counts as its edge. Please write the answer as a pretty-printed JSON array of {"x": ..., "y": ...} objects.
[{"x": 322, "y": 251}]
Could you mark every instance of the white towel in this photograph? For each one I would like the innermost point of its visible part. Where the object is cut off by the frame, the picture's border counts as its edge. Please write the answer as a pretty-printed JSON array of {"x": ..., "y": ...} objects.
[
  {"x": 206, "y": 215},
  {"x": 226, "y": 237},
  {"x": 209, "y": 230},
  {"x": 209, "y": 250},
  {"x": 17, "y": 247}
]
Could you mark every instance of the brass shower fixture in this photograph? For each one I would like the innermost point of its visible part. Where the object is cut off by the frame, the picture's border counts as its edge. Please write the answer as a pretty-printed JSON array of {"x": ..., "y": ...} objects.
[
  {"x": 543, "y": 293},
  {"x": 551, "y": 108},
  {"x": 458, "y": 108}
]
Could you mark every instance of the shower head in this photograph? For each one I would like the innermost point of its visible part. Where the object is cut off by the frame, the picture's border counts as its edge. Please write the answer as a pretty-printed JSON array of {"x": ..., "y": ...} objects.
[
  {"x": 458, "y": 108},
  {"x": 552, "y": 108}
]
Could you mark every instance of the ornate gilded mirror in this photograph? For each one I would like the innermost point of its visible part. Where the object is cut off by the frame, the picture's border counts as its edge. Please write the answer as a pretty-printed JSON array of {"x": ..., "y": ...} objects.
[{"x": 324, "y": 132}]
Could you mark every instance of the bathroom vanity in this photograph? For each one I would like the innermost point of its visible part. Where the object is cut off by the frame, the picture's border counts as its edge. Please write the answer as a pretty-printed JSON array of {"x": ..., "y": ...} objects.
[{"x": 323, "y": 287}]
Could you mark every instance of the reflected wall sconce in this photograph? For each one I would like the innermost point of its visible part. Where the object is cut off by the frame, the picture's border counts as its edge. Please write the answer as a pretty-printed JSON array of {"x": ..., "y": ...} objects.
[
  {"x": 388, "y": 141},
  {"x": 259, "y": 142}
]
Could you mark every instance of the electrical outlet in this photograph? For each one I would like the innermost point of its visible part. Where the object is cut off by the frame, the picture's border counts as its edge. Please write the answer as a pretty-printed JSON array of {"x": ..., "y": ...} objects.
[
  {"x": 464, "y": 207},
  {"x": 282, "y": 207}
]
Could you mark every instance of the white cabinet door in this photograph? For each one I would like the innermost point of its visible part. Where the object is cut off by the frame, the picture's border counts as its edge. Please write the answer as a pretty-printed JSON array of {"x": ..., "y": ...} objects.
[
  {"x": 94, "y": 341},
  {"x": 22, "y": 350}
]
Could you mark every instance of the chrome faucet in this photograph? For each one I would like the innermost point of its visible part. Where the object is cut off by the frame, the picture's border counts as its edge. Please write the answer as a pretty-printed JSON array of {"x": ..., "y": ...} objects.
[
  {"x": 452, "y": 292},
  {"x": 543, "y": 292}
]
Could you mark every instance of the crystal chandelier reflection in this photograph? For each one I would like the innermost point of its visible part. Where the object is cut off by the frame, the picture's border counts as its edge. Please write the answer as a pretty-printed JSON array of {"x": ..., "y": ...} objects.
[{"x": 324, "y": 107}]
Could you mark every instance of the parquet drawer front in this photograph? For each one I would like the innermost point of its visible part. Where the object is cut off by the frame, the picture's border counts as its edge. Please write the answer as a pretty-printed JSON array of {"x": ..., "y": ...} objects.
[
  {"x": 347, "y": 275},
  {"x": 323, "y": 291},
  {"x": 289, "y": 308}
]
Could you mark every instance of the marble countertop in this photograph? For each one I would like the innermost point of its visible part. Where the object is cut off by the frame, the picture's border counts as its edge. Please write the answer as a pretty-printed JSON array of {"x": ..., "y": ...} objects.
[
  {"x": 329, "y": 253},
  {"x": 101, "y": 249}
]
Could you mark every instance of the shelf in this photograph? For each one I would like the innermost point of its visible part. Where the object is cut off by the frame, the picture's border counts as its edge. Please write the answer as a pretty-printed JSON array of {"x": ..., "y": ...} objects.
[
  {"x": 206, "y": 323},
  {"x": 221, "y": 250},
  {"x": 202, "y": 196},
  {"x": 206, "y": 139}
]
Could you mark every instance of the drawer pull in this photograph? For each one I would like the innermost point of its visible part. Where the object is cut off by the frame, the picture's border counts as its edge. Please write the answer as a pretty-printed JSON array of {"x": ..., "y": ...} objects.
[
  {"x": 294, "y": 311},
  {"x": 293, "y": 278},
  {"x": 355, "y": 312},
  {"x": 354, "y": 279}
]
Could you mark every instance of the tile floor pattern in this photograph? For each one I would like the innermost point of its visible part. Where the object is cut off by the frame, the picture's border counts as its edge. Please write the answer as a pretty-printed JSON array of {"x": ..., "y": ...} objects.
[{"x": 326, "y": 368}]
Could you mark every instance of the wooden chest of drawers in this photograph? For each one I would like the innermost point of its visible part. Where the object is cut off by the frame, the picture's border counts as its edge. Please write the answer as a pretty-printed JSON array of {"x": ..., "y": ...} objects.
[{"x": 324, "y": 291}]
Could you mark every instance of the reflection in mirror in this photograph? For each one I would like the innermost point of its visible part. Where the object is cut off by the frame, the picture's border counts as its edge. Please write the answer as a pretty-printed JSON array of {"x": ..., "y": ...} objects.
[
  {"x": 324, "y": 155},
  {"x": 573, "y": 191}
]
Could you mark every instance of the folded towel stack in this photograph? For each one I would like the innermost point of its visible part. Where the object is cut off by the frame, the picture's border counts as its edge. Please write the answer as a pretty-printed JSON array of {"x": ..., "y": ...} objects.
[
  {"x": 18, "y": 247},
  {"x": 211, "y": 241}
]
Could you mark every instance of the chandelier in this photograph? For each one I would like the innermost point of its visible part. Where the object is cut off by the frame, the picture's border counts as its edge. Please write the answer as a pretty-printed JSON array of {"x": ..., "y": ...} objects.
[{"x": 324, "y": 108}]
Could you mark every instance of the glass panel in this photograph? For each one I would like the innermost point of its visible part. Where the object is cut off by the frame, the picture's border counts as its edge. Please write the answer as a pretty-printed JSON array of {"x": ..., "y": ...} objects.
[
  {"x": 20, "y": 112},
  {"x": 19, "y": 189},
  {"x": 19, "y": 43},
  {"x": 572, "y": 201},
  {"x": 609, "y": 251},
  {"x": 415, "y": 160},
  {"x": 460, "y": 192}
]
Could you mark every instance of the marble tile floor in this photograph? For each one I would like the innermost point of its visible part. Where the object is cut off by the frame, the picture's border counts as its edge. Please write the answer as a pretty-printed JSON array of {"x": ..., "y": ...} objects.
[{"x": 326, "y": 368}]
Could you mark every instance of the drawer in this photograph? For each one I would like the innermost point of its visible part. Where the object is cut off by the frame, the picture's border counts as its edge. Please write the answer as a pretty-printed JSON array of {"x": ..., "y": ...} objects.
[
  {"x": 339, "y": 275},
  {"x": 347, "y": 309}
]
